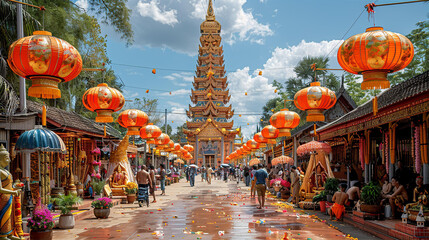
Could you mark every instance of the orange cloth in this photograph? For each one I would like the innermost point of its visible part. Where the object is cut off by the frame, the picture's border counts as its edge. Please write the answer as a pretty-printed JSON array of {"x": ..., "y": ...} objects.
[{"x": 338, "y": 210}]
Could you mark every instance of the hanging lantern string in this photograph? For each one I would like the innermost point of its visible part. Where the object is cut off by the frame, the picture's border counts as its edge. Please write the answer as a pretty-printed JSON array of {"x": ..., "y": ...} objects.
[
  {"x": 373, "y": 5},
  {"x": 41, "y": 8},
  {"x": 370, "y": 9}
]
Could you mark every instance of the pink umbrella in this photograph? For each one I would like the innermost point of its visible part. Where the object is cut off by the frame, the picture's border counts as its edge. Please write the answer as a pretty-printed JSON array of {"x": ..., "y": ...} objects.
[
  {"x": 313, "y": 146},
  {"x": 282, "y": 160}
]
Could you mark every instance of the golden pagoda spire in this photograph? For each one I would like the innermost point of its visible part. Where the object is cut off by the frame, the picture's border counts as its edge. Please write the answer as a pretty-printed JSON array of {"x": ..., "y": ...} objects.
[{"x": 210, "y": 12}]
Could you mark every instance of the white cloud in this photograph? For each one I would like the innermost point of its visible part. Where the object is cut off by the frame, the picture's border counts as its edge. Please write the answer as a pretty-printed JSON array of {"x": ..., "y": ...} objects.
[
  {"x": 82, "y": 4},
  {"x": 177, "y": 117},
  {"x": 152, "y": 10},
  {"x": 129, "y": 95},
  {"x": 259, "y": 88},
  {"x": 175, "y": 24}
]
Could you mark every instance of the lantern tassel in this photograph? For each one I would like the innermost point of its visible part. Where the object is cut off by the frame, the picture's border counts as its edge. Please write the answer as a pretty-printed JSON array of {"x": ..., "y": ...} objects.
[
  {"x": 375, "y": 105},
  {"x": 105, "y": 131},
  {"x": 44, "y": 116}
]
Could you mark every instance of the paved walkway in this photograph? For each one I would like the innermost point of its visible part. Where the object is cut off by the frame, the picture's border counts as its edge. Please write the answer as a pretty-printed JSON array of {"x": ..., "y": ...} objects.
[{"x": 218, "y": 211}]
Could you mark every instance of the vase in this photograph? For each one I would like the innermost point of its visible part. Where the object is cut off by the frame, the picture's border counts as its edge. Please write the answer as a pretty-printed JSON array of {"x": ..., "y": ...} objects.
[
  {"x": 101, "y": 212},
  {"x": 66, "y": 221},
  {"x": 41, "y": 235},
  {"x": 131, "y": 198},
  {"x": 370, "y": 208},
  {"x": 322, "y": 206}
]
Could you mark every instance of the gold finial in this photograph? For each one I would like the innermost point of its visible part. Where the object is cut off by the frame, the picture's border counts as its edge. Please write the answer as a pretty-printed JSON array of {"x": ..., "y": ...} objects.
[
  {"x": 3, "y": 150},
  {"x": 210, "y": 11}
]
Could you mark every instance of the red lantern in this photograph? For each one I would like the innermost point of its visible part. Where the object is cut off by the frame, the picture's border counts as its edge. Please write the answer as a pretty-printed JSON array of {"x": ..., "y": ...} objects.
[
  {"x": 374, "y": 54},
  {"x": 46, "y": 61},
  {"x": 260, "y": 139},
  {"x": 270, "y": 133},
  {"x": 239, "y": 152},
  {"x": 252, "y": 144},
  {"x": 103, "y": 100},
  {"x": 150, "y": 132},
  {"x": 170, "y": 146},
  {"x": 284, "y": 121},
  {"x": 188, "y": 147},
  {"x": 162, "y": 140},
  {"x": 133, "y": 120},
  {"x": 176, "y": 147},
  {"x": 315, "y": 99},
  {"x": 246, "y": 149}
]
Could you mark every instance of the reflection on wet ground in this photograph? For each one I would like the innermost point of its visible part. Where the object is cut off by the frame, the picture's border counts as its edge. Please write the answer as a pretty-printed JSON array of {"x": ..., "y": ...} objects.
[{"x": 205, "y": 214}]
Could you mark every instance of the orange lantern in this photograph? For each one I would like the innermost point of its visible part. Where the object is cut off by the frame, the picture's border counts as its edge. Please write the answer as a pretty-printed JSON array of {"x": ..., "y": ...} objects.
[
  {"x": 252, "y": 144},
  {"x": 150, "y": 132},
  {"x": 162, "y": 140},
  {"x": 315, "y": 99},
  {"x": 170, "y": 146},
  {"x": 103, "y": 100},
  {"x": 46, "y": 61},
  {"x": 260, "y": 139},
  {"x": 374, "y": 54},
  {"x": 239, "y": 152},
  {"x": 183, "y": 151},
  {"x": 246, "y": 149},
  {"x": 188, "y": 147},
  {"x": 270, "y": 133},
  {"x": 176, "y": 147},
  {"x": 133, "y": 120},
  {"x": 284, "y": 121}
]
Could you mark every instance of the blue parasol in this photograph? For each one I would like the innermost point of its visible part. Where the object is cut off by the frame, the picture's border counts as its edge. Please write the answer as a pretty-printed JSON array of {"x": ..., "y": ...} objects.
[{"x": 40, "y": 139}]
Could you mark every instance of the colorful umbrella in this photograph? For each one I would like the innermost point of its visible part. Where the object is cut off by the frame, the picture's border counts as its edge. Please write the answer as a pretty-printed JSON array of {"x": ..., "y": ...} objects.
[
  {"x": 282, "y": 160},
  {"x": 254, "y": 161},
  {"x": 40, "y": 139},
  {"x": 314, "y": 146}
]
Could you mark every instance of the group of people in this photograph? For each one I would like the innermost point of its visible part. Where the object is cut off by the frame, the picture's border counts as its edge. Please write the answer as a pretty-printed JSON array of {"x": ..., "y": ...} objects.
[{"x": 146, "y": 180}]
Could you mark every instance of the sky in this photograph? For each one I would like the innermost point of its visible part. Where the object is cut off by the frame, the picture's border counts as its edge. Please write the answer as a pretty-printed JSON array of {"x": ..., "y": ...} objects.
[{"x": 257, "y": 35}]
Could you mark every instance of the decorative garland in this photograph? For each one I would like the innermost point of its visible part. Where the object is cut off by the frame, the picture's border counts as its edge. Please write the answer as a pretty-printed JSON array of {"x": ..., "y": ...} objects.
[
  {"x": 386, "y": 149},
  {"x": 418, "y": 162},
  {"x": 361, "y": 152}
]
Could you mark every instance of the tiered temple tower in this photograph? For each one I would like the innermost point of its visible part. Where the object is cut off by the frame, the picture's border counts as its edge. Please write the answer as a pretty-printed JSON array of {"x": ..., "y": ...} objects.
[{"x": 210, "y": 132}]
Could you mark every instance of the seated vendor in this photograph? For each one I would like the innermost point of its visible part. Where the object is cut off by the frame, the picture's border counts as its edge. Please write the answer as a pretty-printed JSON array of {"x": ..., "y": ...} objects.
[
  {"x": 399, "y": 196},
  {"x": 354, "y": 194},
  {"x": 340, "y": 198},
  {"x": 387, "y": 187}
]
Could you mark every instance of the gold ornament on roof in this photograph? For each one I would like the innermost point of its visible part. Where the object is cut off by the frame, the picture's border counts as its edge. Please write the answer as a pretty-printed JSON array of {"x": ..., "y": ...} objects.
[{"x": 120, "y": 153}]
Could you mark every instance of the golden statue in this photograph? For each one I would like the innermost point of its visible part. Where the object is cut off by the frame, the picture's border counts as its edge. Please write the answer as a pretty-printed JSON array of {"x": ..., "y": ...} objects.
[
  {"x": 6, "y": 197},
  {"x": 119, "y": 178}
]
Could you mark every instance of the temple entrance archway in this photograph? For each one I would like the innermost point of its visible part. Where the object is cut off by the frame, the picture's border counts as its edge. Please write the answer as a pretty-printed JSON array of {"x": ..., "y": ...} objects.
[{"x": 209, "y": 160}]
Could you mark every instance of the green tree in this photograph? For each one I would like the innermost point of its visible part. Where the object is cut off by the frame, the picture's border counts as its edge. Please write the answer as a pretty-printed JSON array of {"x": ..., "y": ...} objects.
[
  {"x": 148, "y": 106},
  {"x": 267, "y": 110},
  {"x": 169, "y": 129},
  {"x": 420, "y": 39},
  {"x": 178, "y": 135}
]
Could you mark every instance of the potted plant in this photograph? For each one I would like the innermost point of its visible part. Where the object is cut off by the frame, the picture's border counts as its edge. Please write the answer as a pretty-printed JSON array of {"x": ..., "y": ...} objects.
[
  {"x": 66, "y": 203},
  {"x": 41, "y": 224},
  {"x": 102, "y": 207},
  {"x": 321, "y": 198},
  {"x": 371, "y": 197},
  {"x": 98, "y": 187},
  {"x": 131, "y": 190},
  {"x": 331, "y": 186}
]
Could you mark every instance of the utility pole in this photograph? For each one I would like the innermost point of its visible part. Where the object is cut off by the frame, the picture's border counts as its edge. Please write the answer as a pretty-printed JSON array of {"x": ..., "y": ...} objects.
[{"x": 20, "y": 34}]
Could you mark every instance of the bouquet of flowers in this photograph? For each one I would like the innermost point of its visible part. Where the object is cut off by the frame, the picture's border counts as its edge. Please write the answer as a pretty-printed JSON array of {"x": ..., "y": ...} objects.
[
  {"x": 102, "y": 203},
  {"x": 131, "y": 188},
  {"x": 41, "y": 220}
]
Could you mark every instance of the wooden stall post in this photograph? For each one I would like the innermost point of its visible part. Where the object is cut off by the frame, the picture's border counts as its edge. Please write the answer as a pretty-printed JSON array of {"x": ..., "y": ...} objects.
[{"x": 424, "y": 147}]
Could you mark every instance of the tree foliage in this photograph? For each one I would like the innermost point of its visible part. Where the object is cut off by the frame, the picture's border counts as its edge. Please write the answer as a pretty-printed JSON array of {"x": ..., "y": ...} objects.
[{"x": 420, "y": 39}]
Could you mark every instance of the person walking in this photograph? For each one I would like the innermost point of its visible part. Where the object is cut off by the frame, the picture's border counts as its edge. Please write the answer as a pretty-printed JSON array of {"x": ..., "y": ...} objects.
[
  {"x": 209, "y": 174},
  {"x": 246, "y": 175},
  {"x": 162, "y": 174},
  {"x": 153, "y": 185},
  {"x": 238, "y": 174},
  {"x": 187, "y": 173},
  {"x": 192, "y": 173},
  {"x": 203, "y": 173},
  {"x": 295, "y": 185},
  {"x": 144, "y": 181},
  {"x": 252, "y": 175},
  {"x": 261, "y": 177}
]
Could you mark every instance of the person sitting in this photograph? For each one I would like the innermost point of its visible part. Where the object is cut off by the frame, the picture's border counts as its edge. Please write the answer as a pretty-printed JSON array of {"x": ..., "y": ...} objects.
[
  {"x": 387, "y": 186},
  {"x": 399, "y": 196},
  {"x": 340, "y": 198},
  {"x": 354, "y": 194},
  {"x": 419, "y": 190}
]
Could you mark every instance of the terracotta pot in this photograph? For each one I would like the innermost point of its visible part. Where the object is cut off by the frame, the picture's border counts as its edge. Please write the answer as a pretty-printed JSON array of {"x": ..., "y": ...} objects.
[
  {"x": 412, "y": 215},
  {"x": 41, "y": 235},
  {"x": 370, "y": 208},
  {"x": 101, "y": 212},
  {"x": 66, "y": 221},
  {"x": 131, "y": 198},
  {"x": 322, "y": 206}
]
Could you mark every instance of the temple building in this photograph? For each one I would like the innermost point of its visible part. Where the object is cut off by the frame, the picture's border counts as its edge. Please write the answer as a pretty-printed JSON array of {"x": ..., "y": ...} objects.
[{"x": 209, "y": 131}]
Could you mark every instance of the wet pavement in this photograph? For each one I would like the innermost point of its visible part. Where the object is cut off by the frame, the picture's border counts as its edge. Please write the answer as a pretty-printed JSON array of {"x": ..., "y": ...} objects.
[{"x": 221, "y": 211}]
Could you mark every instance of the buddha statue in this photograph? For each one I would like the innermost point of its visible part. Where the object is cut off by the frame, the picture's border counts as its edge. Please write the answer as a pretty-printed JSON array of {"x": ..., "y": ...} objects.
[
  {"x": 119, "y": 177},
  {"x": 6, "y": 197}
]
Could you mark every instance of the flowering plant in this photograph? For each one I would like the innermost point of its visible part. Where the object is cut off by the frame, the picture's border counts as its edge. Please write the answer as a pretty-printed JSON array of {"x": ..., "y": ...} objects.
[
  {"x": 131, "y": 188},
  {"x": 102, "y": 203},
  {"x": 41, "y": 219}
]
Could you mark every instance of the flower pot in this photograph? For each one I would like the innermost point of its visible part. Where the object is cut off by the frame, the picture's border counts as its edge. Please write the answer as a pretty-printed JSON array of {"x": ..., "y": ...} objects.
[
  {"x": 41, "y": 235},
  {"x": 322, "y": 206},
  {"x": 66, "y": 221},
  {"x": 370, "y": 208},
  {"x": 101, "y": 212},
  {"x": 131, "y": 198}
]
